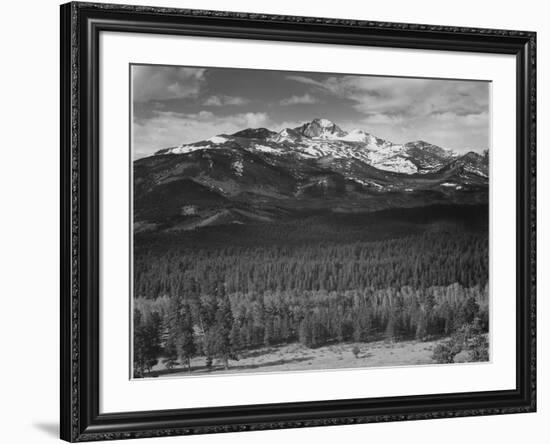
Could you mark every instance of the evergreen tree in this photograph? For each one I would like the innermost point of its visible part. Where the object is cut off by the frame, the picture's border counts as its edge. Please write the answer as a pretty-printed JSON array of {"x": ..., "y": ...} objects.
[
  {"x": 222, "y": 331},
  {"x": 186, "y": 347},
  {"x": 268, "y": 331},
  {"x": 305, "y": 333},
  {"x": 140, "y": 345},
  {"x": 236, "y": 339},
  {"x": 146, "y": 342},
  {"x": 207, "y": 320}
]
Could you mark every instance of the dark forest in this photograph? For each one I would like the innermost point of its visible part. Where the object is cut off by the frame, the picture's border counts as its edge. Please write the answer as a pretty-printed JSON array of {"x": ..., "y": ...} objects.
[{"x": 220, "y": 292}]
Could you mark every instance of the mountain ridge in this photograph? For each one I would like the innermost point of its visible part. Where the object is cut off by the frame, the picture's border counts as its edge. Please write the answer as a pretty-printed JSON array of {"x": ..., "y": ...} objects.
[
  {"x": 256, "y": 176},
  {"x": 321, "y": 137}
]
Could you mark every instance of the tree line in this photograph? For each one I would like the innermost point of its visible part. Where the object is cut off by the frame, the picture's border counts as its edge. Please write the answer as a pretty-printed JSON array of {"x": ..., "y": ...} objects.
[{"x": 421, "y": 261}]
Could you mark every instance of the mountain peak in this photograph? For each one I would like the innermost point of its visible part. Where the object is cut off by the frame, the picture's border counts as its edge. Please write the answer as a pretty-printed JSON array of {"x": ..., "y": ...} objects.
[
  {"x": 426, "y": 148},
  {"x": 321, "y": 129},
  {"x": 420, "y": 144},
  {"x": 254, "y": 133},
  {"x": 324, "y": 123}
]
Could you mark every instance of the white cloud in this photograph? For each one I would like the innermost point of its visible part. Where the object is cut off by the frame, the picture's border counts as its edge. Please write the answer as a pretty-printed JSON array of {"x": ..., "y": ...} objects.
[
  {"x": 213, "y": 101},
  {"x": 383, "y": 119},
  {"x": 405, "y": 96},
  {"x": 287, "y": 124},
  {"x": 295, "y": 100},
  {"x": 449, "y": 130},
  {"x": 450, "y": 113},
  {"x": 306, "y": 80},
  {"x": 222, "y": 100},
  {"x": 168, "y": 129},
  {"x": 165, "y": 82},
  {"x": 453, "y": 114}
]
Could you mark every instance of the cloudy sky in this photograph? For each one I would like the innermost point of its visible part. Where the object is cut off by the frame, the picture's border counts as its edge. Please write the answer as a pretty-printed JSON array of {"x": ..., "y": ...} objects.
[{"x": 175, "y": 105}]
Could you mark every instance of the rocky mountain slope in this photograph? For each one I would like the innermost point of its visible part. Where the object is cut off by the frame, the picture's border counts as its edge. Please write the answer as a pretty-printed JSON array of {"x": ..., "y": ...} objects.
[{"x": 257, "y": 175}]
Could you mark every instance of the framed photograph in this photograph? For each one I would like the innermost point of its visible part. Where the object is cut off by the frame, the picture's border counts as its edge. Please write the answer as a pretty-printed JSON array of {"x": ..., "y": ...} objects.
[{"x": 279, "y": 221}]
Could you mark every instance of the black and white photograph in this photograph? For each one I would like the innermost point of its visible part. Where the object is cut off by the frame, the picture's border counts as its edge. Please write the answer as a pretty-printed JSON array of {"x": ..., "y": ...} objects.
[
  {"x": 292, "y": 221},
  {"x": 289, "y": 221}
]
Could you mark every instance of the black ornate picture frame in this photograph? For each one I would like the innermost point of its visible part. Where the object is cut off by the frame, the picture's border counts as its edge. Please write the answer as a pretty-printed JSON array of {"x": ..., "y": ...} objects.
[{"x": 81, "y": 25}]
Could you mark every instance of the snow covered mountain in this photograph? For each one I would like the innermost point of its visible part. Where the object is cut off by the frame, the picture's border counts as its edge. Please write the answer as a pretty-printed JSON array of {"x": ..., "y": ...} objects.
[
  {"x": 257, "y": 175},
  {"x": 322, "y": 138},
  {"x": 321, "y": 129}
]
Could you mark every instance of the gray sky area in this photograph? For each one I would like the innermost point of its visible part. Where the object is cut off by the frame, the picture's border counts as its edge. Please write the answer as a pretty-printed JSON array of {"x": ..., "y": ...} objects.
[{"x": 175, "y": 105}]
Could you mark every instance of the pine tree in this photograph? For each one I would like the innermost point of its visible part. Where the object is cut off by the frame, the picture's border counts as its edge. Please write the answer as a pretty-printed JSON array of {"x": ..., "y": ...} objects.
[
  {"x": 207, "y": 320},
  {"x": 185, "y": 342},
  {"x": 222, "y": 331},
  {"x": 139, "y": 345},
  {"x": 154, "y": 327},
  {"x": 236, "y": 339},
  {"x": 305, "y": 333},
  {"x": 146, "y": 342},
  {"x": 268, "y": 331}
]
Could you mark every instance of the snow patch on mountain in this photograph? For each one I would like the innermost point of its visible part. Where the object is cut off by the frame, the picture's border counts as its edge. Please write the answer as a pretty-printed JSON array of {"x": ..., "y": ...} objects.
[
  {"x": 396, "y": 164},
  {"x": 474, "y": 170},
  {"x": 184, "y": 149},
  {"x": 265, "y": 149},
  {"x": 217, "y": 140},
  {"x": 286, "y": 135},
  {"x": 325, "y": 123},
  {"x": 238, "y": 167},
  {"x": 356, "y": 135},
  {"x": 367, "y": 183}
]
